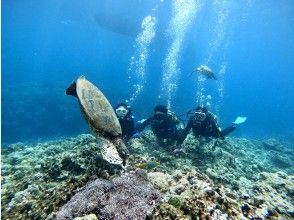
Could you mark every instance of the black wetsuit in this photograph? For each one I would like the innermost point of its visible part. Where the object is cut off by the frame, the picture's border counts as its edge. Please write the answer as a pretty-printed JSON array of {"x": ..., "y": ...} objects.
[
  {"x": 206, "y": 128},
  {"x": 164, "y": 126},
  {"x": 128, "y": 126}
]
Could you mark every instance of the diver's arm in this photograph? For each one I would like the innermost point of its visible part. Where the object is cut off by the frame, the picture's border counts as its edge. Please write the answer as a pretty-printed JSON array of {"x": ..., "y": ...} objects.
[
  {"x": 185, "y": 132},
  {"x": 215, "y": 127},
  {"x": 143, "y": 125},
  {"x": 219, "y": 133}
]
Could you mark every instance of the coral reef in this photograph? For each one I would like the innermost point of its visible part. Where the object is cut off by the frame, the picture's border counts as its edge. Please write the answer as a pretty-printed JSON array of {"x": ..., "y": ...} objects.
[
  {"x": 43, "y": 176},
  {"x": 218, "y": 179},
  {"x": 247, "y": 170},
  {"x": 193, "y": 195}
]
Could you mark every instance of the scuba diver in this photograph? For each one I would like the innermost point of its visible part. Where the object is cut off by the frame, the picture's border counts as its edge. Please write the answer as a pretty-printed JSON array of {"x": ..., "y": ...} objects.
[
  {"x": 163, "y": 125},
  {"x": 126, "y": 120},
  {"x": 203, "y": 124}
]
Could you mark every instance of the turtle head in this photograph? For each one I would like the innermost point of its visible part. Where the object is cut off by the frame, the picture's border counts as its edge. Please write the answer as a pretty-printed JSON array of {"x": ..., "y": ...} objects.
[{"x": 71, "y": 90}]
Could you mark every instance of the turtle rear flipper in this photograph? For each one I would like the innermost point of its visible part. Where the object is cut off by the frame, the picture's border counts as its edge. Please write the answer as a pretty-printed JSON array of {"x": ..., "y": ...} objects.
[
  {"x": 110, "y": 154},
  {"x": 121, "y": 149}
]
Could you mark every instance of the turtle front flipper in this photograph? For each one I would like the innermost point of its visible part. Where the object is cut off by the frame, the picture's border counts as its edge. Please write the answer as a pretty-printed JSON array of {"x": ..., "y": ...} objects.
[
  {"x": 213, "y": 76},
  {"x": 72, "y": 89}
]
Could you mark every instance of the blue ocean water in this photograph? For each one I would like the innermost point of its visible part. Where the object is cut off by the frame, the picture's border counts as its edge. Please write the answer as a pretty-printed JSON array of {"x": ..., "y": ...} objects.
[{"x": 144, "y": 52}]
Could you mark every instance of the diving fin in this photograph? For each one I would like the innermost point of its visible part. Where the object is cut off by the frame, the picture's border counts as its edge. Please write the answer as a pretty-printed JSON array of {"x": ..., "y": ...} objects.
[{"x": 239, "y": 120}]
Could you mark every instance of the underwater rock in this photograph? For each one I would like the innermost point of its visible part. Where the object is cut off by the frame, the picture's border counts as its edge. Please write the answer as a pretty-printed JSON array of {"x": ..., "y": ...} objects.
[
  {"x": 87, "y": 217},
  {"x": 125, "y": 197},
  {"x": 175, "y": 201},
  {"x": 177, "y": 175},
  {"x": 179, "y": 189},
  {"x": 282, "y": 175},
  {"x": 160, "y": 181},
  {"x": 258, "y": 201},
  {"x": 166, "y": 211},
  {"x": 210, "y": 192},
  {"x": 245, "y": 196},
  {"x": 245, "y": 209}
]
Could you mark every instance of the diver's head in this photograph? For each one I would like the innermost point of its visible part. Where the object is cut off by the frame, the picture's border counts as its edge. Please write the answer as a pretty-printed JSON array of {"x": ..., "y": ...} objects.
[
  {"x": 200, "y": 114},
  {"x": 160, "y": 109},
  {"x": 122, "y": 110}
]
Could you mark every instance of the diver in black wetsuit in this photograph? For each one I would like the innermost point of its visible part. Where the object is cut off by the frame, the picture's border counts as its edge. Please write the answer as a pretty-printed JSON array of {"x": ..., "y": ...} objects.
[
  {"x": 203, "y": 124},
  {"x": 163, "y": 124},
  {"x": 126, "y": 120}
]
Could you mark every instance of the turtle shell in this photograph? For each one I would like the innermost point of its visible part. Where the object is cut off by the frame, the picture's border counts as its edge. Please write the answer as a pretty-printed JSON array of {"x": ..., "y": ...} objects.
[{"x": 97, "y": 110}]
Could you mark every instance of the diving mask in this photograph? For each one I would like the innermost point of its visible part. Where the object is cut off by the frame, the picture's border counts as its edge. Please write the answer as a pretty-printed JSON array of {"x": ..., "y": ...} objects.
[
  {"x": 200, "y": 116},
  {"x": 121, "y": 112}
]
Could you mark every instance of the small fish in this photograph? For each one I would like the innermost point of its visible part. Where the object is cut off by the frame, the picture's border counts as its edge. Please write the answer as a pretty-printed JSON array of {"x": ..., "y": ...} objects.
[
  {"x": 206, "y": 71},
  {"x": 149, "y": 165}
]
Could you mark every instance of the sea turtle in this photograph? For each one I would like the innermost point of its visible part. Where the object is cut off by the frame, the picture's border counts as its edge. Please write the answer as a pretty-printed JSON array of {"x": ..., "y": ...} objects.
[
  {"x": 206, "y": 71},
  {"x": 101, "y": 118}
]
